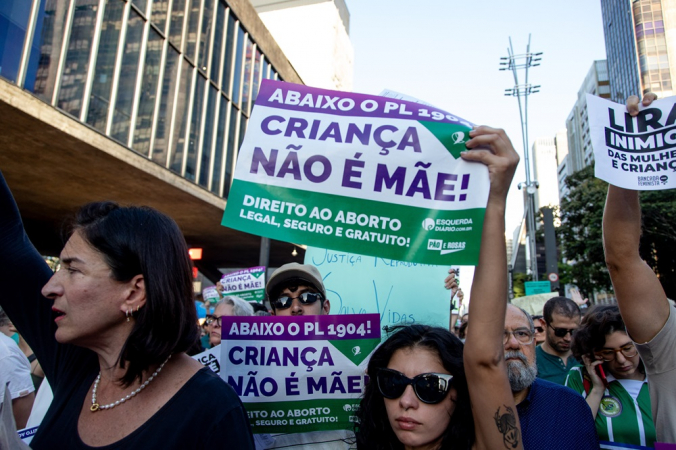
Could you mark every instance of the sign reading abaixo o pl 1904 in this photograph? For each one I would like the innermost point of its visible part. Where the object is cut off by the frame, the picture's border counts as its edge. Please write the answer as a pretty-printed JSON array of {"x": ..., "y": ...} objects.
[{"x": 358, "y": 173}]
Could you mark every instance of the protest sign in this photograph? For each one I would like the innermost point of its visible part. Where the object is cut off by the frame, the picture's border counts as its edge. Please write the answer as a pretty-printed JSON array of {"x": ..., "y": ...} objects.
[
  {"x": 211, "y": 358},
  {"x": 534, "y": 304},
  {"x": 210, "y": 294},
  {"x": 401, "y": 293},
  {"x": 248, "y": 284},
  {"x": 537, "y": 287},
  {"x": 298, "y": 374},
  {"x": 636, "y": 153},
  {"x": 358, "y": 173}
]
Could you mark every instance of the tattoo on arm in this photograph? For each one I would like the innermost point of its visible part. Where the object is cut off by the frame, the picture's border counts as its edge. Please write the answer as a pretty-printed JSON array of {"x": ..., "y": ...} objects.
[{"x": 506, "y": 424}]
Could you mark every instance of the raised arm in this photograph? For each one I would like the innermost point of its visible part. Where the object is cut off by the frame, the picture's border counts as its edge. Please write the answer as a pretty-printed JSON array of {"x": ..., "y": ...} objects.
[
  {"x": 23, "y": 273},
  {"x": 640, "y": 296},
  {"x": 495, "y": 418}
]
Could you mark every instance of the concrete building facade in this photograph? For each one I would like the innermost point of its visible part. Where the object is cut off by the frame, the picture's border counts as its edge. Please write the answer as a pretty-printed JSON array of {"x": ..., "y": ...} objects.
[
  {"x": 544, "y": 166},
  {"x": 136, "y": 101},
  {"x": 580, "y": 153},
  {"x": 561, "y": 143},
  {"x": 315, "y": 36}
]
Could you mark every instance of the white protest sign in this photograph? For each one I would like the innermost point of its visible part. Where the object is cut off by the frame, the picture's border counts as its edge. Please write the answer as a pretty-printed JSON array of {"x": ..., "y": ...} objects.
[
  {"x": 210, "y": 294},
  {"x": 636, "y": 153},
  {"x": 301, "y": 373},
  {"x": 210, "y": 358},
  {"x": 248, "y": 284}
]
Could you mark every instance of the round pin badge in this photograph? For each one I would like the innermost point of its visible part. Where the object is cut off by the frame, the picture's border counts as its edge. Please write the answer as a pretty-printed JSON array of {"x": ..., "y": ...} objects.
[{"x": 610, "y": 406}]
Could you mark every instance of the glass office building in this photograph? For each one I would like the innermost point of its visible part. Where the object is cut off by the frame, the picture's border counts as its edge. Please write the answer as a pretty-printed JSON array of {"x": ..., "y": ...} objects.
[
  {"x": 651, "y": 42},
  {"x": 637, "y": 48},
  {"x": 172, "y": 80}
]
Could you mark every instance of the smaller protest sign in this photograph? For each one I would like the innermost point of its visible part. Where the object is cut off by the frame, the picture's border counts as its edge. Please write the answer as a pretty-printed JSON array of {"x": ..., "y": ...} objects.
[
  {"x": 537, "y": 287},
  {"x": 636, "y": 153},
  {"x": 210, "y": 294},
  {"x": 248, "y": 284},
  {"x": 299, "y": 374},
  {"x": 210, "y": 358},
  {"x": 402, "y": 293}
]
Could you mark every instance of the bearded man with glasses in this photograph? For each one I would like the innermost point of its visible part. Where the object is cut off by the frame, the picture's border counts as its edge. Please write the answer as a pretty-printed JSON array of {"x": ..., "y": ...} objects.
[
  {"x": 554, "y": 357},
  {"x": 569, "y": 425}
]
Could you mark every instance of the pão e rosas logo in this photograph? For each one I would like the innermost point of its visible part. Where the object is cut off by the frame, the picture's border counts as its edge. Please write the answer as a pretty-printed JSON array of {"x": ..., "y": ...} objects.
[{"x": 445, "y": 247}]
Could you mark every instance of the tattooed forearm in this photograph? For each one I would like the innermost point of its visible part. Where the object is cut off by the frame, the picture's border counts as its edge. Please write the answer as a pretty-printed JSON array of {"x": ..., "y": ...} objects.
[{"x": 506, "y": 423}]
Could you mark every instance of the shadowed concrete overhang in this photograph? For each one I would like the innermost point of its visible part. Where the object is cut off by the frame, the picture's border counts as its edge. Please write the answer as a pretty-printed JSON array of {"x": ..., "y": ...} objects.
[{"x": 53, "y": 164}]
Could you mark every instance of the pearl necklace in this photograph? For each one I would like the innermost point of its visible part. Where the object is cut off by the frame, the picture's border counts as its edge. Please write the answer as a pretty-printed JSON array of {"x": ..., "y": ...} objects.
[{"x": 96, "y": 407}]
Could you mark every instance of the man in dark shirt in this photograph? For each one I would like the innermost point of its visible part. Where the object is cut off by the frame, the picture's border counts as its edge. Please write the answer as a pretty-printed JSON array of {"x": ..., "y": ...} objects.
[
  {"x": 554, "y": 358},
  {"x": 552, "y": 417}
]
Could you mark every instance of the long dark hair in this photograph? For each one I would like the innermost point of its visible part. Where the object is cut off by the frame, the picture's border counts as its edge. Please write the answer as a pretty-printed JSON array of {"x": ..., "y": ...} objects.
[
  {"x": 600, "y": 321},
  {"x": 141, "y": 240},
  {"x": 373, "y": 430}
]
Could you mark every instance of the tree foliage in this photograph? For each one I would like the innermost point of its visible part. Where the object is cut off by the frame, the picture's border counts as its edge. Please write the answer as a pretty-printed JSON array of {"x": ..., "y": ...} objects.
[
  {"x": 519, "y": 286},
  {"x": 658, "y": 241},
  {"x": 582, "y": 239},
  {"x": 581, "y": 233}
]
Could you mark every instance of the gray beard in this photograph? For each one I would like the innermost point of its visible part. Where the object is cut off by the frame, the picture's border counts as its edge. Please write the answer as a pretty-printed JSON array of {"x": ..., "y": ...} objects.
[{"x": 521, "y": 375}]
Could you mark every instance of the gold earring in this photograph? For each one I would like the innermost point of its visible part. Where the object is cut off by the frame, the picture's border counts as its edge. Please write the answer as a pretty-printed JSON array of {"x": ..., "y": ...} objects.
[{"x": 138, "y": 307}]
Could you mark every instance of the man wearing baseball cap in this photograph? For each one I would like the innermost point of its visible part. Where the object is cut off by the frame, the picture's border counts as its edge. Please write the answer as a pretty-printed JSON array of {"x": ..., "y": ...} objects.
[
  {"x": 294, "y": 290},
  {"x": 297, "y": 289}
]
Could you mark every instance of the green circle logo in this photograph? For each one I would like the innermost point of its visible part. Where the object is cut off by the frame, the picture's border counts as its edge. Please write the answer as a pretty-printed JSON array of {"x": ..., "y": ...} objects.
[{"x": 610, "y": 406}]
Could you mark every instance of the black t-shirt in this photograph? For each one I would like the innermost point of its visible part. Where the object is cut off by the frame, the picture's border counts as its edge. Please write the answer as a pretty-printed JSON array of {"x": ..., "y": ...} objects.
[{"x": 204, "y": 413}]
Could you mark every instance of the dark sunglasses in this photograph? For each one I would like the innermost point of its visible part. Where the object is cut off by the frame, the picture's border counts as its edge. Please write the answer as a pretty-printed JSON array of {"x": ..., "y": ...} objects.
[
  {"x": 562, "y": 332},
  {"x": 428, "y": 387},
  {"x": 306, "y": 298}
]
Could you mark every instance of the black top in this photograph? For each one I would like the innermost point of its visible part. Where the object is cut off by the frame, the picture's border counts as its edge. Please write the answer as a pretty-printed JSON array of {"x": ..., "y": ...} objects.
[{"x": 204, "y": 413}]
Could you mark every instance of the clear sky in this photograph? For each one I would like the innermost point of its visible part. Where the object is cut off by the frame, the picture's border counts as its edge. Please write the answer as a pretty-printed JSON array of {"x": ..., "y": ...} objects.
[{"x": 447, "y": 52}]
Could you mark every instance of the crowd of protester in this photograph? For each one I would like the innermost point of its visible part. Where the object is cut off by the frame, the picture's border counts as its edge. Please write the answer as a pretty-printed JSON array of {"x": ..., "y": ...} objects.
[{"x": 111, "y": 332}]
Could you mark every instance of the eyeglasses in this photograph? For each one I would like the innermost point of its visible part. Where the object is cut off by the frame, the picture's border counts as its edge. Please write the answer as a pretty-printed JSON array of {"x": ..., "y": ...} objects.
[
  {"x": 522, "y": 335},
  {"x": 628, "y": 351},
  {"x": 562, "y": 332},
  {"x": 215, "y": 320},
  {"x": 306, "y": 298},
  {"x": 428, "y": 387}
]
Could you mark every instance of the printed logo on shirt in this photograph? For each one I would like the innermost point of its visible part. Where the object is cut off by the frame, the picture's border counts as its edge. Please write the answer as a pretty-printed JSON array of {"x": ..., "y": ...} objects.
[{"x": 610, "y": 406}]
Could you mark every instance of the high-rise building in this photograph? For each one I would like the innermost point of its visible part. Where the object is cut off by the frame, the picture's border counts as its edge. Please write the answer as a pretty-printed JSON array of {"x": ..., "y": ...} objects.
[
  {"x": 315, "y": 36},
  {"x": 640, "y": 46},
  {"x": 561, "y": 143},
  {"x": 544, "y": 165},
  {"x": 580, "y": 151},
  {"x": 138, "y": 101}
]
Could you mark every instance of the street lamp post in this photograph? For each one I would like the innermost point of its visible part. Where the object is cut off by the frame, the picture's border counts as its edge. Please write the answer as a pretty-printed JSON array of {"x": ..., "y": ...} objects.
[{"x": 522, "y": 91}]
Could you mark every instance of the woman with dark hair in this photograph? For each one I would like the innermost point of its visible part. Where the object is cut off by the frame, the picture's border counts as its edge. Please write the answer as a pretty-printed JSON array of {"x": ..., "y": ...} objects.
[
  {"x": 612, "y": 379},
  {"x": 111, "y": 329},
  {"x": 418, "y": 395},
  {"x": 415, "y": 345}
]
